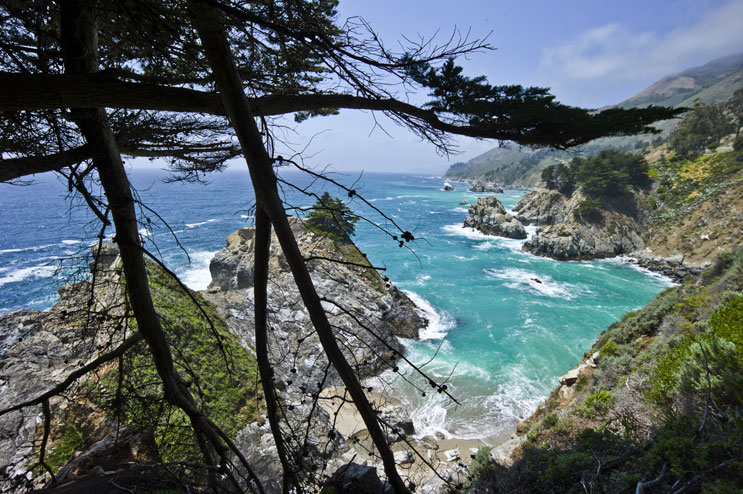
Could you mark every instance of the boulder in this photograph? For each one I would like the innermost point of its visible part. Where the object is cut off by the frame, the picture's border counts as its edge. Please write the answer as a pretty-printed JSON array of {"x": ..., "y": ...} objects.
[
  {"x": 448, "y": 186},
  {"x": 485, "y": 186},
  {"x": 490, "y": 217},
  {"x": 353, "y": 478}
]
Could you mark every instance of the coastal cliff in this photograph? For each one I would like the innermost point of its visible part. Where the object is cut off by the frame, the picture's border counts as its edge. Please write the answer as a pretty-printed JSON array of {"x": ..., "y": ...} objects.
[
  {"x": 490, "y": 217},
  {"x": 39, "y": 349},
  {"x": 564, "y": 233},
  {"x": 652, "y": 399}
]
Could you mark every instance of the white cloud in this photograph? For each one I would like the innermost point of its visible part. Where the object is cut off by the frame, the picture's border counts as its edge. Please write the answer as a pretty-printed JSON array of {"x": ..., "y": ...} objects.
[{"x": 613, "y": 52}]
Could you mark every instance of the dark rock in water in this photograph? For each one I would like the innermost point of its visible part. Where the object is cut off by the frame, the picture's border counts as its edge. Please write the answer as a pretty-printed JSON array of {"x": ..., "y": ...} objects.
[
  {"x": 564, "y": 235},
  {"x": 448, "y": 186},
  {"x": 462, "y": 203},
  {"x": 483, "y": 186},
  {"x": 536, "y": 280},
  {"x": 673, "y": 266},
  {"x": 356, "y": 479},
  {"x": 490, "y": 217}
]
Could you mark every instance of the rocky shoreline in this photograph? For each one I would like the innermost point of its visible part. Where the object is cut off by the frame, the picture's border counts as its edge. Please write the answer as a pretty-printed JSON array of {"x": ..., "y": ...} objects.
[
  {"x": 368, "y": 311},
  {"x": 563, "y": 234}
]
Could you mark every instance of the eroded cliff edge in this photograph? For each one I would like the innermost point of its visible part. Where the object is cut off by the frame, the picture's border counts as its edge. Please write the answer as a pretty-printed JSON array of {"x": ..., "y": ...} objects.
[{"x": 39, "y": 349}]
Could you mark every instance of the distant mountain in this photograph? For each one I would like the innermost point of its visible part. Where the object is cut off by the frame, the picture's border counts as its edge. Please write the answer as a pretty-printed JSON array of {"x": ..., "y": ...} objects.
[{"x": 712, "y": 83}]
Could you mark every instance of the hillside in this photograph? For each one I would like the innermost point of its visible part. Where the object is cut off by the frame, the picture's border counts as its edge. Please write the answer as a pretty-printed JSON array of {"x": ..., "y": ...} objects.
[
  {"x": 712, "y": 83},
  {"x": 655, "y": 402}
]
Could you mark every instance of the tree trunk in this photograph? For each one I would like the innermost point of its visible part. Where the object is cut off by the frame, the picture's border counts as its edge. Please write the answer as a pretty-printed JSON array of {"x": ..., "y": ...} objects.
[
  {"x": 218, "y": 52},
  {"x": 79, "y": 46}
]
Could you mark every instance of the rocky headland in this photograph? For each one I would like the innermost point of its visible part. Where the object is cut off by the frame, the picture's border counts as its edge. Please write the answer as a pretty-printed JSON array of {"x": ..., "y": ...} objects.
[
  {"x": 39, "y": 349},
  {"x": 485, "y": 186},
  {"x": 490, "y": 217},
  {"x": 563, "y": 233}
]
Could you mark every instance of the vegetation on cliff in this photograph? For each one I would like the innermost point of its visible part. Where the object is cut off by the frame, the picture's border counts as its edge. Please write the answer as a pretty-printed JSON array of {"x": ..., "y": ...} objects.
[{"x": 662, "y": 407}]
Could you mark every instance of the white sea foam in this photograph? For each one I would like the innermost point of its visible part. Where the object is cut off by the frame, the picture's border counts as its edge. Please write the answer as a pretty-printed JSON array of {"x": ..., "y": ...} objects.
[
  {"x": 439, "y": 323},
  {"x": 485, "y": 245},
  {"x": 71, "y": 242},
  {"x": 523, "y": 280},
  {"x": 144, "y": 232},
  {"x": 464, "y": 231},
  {"x": 421, "y": 279},
  {"x": 431, "y": 418},
  {"x": 24, "y": 249},
  {"x": 194, "y": 225},
  {"x": 461, "y": 210},
  {"x": 197, "y": 275},
  {"x": 628, "y": 261},
  {"x": 14, "y": 276}
]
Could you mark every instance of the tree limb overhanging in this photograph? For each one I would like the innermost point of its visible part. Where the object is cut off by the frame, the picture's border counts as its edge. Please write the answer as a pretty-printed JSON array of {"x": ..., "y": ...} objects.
[{"x": 135, "y": 82}]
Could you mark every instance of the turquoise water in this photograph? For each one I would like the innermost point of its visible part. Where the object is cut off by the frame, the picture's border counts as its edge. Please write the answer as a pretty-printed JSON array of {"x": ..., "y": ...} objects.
[{"x": 504, "y": 324}]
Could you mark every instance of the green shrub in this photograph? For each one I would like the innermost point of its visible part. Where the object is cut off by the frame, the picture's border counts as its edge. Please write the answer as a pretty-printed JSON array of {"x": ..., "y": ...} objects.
[
  {"x": 597, "y": 403},
  {"x": 609, "y": 348},
  {"x": 480, "y": 463},
  {"x": 738, "y": 143},
  {"x": 550, "y": 421},
  {"x": 332, "y": 218},
  {"x": 589, "y": 208}
]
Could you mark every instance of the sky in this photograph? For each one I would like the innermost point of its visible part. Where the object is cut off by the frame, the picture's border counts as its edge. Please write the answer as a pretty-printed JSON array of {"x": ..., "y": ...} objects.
[{"x": 590, "y": 53}]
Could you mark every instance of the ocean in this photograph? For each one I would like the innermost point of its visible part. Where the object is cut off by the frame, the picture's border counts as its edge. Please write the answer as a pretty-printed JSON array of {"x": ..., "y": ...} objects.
[{"x": 504, "y": 324}]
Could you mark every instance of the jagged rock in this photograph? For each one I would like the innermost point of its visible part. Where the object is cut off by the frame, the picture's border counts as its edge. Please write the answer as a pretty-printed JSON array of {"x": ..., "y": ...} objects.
[
  {"x": 448, "y": 186},
  {"x": 385, "y": 311},
  {"x": 232, "y": 267},
  {"x": 358, "y": 295},
  {"x": 404, "y": 457},
  {"x": 16, "y": 327},
  {"x": 673, "y": 266},
  {"x": 502, "y": 454},
  {"x": 356, "y": 479},
  {"x": 462, "y": 203},
  {"x": 483, "y": 186},
  {"x": 490, "y": 217},
  {"x": 39, "y": 350},
  {"x": 401, "y": 313},
  {"x": 542, "y": 207},
  {"x": 568, "y": 236}
]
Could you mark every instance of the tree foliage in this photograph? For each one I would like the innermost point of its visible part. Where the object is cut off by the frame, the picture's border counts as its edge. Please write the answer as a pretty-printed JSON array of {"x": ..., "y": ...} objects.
[
  {"x": 197, "y": 82},
  {"x": 331, "y": 217},
  {"x": 702, "y": 127},
  {"x": 610, "y": 173}
]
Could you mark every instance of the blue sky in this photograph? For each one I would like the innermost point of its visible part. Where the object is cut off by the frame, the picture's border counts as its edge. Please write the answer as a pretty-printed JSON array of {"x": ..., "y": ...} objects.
[{"x": 591, "y": 53}]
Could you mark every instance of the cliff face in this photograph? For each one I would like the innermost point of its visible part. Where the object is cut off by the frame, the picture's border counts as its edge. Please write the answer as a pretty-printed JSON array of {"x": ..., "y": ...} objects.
[
  {"x": 40, "y": 349},
  {"x": 564, "y": 234},
  {"x": 490, "y": 217}
]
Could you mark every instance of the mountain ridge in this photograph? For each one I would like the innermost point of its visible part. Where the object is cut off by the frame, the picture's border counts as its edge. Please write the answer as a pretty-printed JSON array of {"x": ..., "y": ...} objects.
[{"x": 510, "y": 164}]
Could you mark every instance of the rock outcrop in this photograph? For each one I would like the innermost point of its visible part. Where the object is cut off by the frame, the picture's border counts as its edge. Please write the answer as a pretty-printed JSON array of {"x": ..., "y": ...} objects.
[
  {"x": 490, "y": 217},
  {"x": 564, "y": 234},
  {"x": 542, "y": 207},
  {"x": 483, "y": 186},
  {"x": 674, "y": 267},
  {"x": 40, "y": 349},
  {"x": 367, "y": 311}
]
